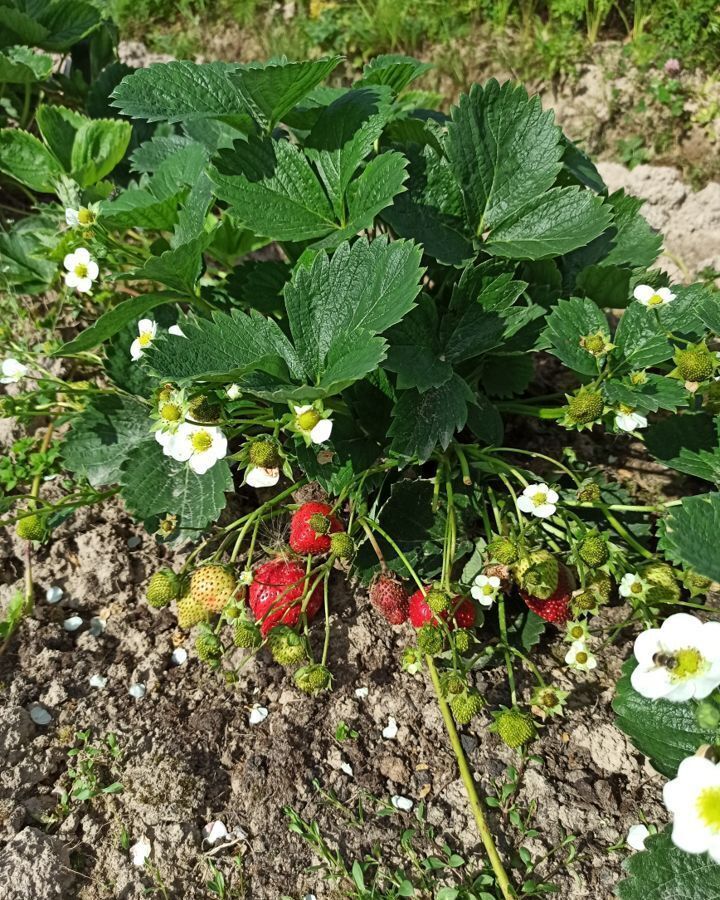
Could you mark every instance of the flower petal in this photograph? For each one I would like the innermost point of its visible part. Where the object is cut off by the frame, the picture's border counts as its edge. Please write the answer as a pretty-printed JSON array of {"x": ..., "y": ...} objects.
[{"x": 322, "y": 431}]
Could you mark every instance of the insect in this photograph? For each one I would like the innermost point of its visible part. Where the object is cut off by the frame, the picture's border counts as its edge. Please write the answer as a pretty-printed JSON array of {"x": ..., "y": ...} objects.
[{"x": 667, "y": 660}]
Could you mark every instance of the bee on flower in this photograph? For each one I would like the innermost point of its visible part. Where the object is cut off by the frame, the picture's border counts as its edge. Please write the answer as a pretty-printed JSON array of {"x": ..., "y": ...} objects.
[
  {"x": 538, "y": 500},
  {"x": 81, "y": 270}
]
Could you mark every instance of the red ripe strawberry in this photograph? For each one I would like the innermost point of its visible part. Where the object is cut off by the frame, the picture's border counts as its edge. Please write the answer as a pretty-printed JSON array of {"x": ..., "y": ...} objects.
[
  {"x": 420, "y": 612},
  {"x": 311, "y": 526},
  {"x": 390, "y": 599},
  {"x": 555, "y": 608},
  {"x": 275, "y": 593}
]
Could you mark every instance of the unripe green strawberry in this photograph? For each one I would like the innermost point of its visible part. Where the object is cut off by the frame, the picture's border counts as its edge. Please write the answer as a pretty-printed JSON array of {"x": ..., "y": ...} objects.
[
  {"x": 246, "y": 634},
  {"x": 602, "y": 586},
  {"x": 264, "y": 454},
  {"x": 466, "y": 706},
  {"x": 208, "y": 647},
  {"x": 504, "y": 550},
  {"x": 696, "y": 584},
  {"x": 342, "y": 545},
  {"x": 514, "y": 727},
  {"x": 462, "y": 638},
  {"x": 453, "y": 683},
  {"x": 663, "y": 584},
  {"x": 597, "y": 344},
  {"x": 584, "y": 407},
  {"x": 538, "y": 573},
  {"x": 438, "y": 600},
  {"x": 430, "y": 640},
  {"x": 695, "y": 363},
  {"x": 584, "y": 602},
  {"x": 319, "y": 523},
  {"x": 213, "y": 586},
  {"x": 313, "y": 678},
  {"x": 593, "y": 550},
  {"x": 287, "y": 646},
  {"x": 203, "y": 409},
  {"x": 190, "y": 611},
  {"x": 163, "y": 587},
  {"x": 589, "y": 492},
  {"x": 30, "y": 528}
]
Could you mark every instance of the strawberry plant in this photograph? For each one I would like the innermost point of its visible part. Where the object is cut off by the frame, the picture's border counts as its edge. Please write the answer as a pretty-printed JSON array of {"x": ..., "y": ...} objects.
[{"x": 384, "y": 381}]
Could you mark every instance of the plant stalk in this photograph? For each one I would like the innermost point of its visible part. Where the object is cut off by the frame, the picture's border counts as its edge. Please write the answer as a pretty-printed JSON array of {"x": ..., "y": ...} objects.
[{"x": 471, "y": 788}]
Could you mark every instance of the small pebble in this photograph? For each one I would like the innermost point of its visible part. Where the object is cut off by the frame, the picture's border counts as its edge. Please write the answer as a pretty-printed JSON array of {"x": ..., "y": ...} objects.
[
  {"x": 40, "y": 715},
  {"x": 214, "y": 832},
  {"x": 72, "y": 623},
  {"x": 391, "y": 730},
  {"x": 134, "y": 542},
  {"x": 98, "y": 681},
  {"x": 258, "y": 714},
  {"x": 97, "y": 626},
  {"x": 403, "y": 803},
  {"x": 140, "y": 851},
  {"x": 137, "y": 691},
  {"x": 179, "y": 656},
  {"x": 54, "y": 594}
]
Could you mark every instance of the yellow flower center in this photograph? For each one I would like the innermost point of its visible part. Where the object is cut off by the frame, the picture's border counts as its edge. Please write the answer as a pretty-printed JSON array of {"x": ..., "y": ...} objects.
[
  {"x": 708, "y": 807},
  {"x": 581, "y": 658},
  {"x": 85, "y": 217},
  {"x": 145, "y": 338},
  {"x": 308, "y": 420},
  {"x": 539, "y": 499},
  {"x": 81, "y": 270},
  {"x": 487, "y": 590},
  {"x": 577, "y": 632},
  {"x": 689, "y": 662},
  {"x": 655, "y": 300},
  {"x": 201, "y": 441},
  {"x": 170, "y": 412},
  {"x": 548, "y": 698},
  {"x": 636, "y": 587}
]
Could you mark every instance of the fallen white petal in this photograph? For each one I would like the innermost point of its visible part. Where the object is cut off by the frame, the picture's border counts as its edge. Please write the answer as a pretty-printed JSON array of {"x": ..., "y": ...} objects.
[
  {"x": 258, "y": 714},
  {"x": 391, "y": 730},
  {"x": 72, "y": 623},
  {"x": 403, "y": 803},
  {"x": 97, "y": 626},
  {"x": 179, "y": 656},
  {"x": 98, "y": 681},
  {"x": 140, "y": 851},
  {"x": 347, "y": 768},
  {"x": 40, "y": 715},
  {"x": 137, "y": 691},
  {"x": 636, "y": 836},
  {"x": 361, "y": 693},
  {"x": 309, "y": 897},
  {"x": 214, "y": 832},
  {"x": 54, "y": 594}
]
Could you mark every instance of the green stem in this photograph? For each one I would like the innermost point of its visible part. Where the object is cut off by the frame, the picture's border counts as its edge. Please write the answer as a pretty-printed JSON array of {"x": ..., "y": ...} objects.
[
  {"x": 470, "y": 787},
  {"x": 506, "y": 648}
]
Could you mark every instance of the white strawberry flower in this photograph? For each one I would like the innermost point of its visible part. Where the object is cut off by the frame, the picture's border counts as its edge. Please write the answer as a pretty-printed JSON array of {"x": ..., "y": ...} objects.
[
  {"x": 232, "y": 391},
  {"x": 201, "y": 446},
  {"x": 576, "y": 632},
  {"x": 654, "y": 297},
  {"x": 312, "y": 424},
  {"x": 246, "y": 577},
  {"x": 147, "y": 329},
  {"x": 626, "y": 419},
  {"x": 258, "y": 477},
  {"x": 538, "y": 500},
  {"x": 485, "y": 589},
  {"x": 12, "y": 371},
  {"x": 693, "y": 798},
  {"x": 632, "y": 585},
  {"x": 579, "y": 657},
  {"x": 679, "y": 661},
  {"x": 82, "y": 270},
  {"x": 82, "y": 216}
]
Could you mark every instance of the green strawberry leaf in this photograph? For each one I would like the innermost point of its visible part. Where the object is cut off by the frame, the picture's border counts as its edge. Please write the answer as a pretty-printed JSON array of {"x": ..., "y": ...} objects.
[
  {"x": 102, "y": 437},
  {"x": 422, "y": 421},
  {"x": 688, "y": 443},
  {"x": 640, "y": 341},
  {"x": 656, "y": 392},
  {"x": 690, "y": 534},
  {"x": 139, "y": 208},
  {"x": 180, "y": 91},
  {"x": 271, "y": 90},
  {"x": 393, "y": 70},
  {"x": 21, "y": 65},
  {"x": 155, "y": 485},
  {"x": 27, "y": 160},
  {"x": 664, "y": 872},
  {"x": 178, "y": 268},
  {"x": 415, "y": 349},
  {"x": 665, "y": 732},
  {"x": 635, "y": 243},
  {"x": 568, "y": 323}
]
